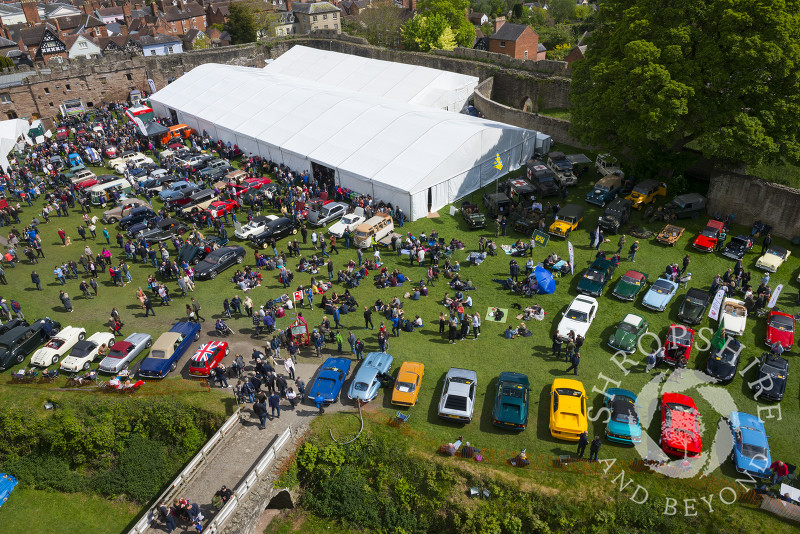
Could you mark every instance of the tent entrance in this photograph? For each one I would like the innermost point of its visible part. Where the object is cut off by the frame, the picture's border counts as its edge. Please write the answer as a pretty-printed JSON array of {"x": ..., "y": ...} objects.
[{"x": 326, "y": 176}]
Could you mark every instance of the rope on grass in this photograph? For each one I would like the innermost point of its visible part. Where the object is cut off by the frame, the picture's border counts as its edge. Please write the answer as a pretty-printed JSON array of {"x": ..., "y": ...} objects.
[{"x": 361, "y": 417}]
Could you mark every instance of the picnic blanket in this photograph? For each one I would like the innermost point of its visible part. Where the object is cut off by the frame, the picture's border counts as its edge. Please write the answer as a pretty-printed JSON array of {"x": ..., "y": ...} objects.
[
  {"x": 490, "y": 314},
  {"x": 506, "y": 249}
]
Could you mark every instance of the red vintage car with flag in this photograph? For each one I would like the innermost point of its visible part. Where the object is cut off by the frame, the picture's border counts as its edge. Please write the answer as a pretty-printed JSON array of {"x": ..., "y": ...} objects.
[{"x": 207, "y": 357}]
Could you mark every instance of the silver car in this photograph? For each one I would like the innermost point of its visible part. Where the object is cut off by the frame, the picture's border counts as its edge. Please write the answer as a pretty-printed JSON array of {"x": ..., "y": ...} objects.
[
  {"x": 458, "y": 395},
  {"x": 367, "y": 381},
  {"x": 122, "y": 353}
]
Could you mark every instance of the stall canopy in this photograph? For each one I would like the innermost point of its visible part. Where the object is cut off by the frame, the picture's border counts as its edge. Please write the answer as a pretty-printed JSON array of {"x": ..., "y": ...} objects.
[
  {"x": 545, "y": 281},
  {"x": 414, "y": 84},
  {"x": 10, "y": 132},
  {"x": 418, "y": 158}
]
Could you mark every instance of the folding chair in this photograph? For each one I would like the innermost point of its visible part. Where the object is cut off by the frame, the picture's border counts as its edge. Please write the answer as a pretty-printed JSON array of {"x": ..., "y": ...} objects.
[{"x": 401, "y": 418}]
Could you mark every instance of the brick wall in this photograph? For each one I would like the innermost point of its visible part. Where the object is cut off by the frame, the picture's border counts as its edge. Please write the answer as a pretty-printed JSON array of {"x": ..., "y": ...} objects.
[{"x": 527, "y": 42}]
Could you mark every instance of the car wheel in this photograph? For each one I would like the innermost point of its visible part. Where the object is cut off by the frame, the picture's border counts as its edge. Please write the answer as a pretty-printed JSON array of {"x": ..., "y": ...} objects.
[
  {"x": 173, "y": 366},
  {"x": 148, "y": 344},
  {"x": 566, "y": 235},
  {"x": 197, "y": 336},
  {"x": 294, "y": 231},
  {"x": 112, "y": 220},
  {"x": 227, "y": 351},
  {"x": 20, "y": 358},
  {"x": 81, "y": 336},
  {"x": 240, "y": 259},
  {"x": 55, "y": 360},
  {"x": 213, "y": 274},
  {"x": 265, "y": 245},
  {"x": 87, "y": 366}
]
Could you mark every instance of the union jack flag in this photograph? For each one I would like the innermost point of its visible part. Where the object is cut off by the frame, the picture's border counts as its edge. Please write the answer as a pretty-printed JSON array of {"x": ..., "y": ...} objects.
[{"x": 202, "y": 354}]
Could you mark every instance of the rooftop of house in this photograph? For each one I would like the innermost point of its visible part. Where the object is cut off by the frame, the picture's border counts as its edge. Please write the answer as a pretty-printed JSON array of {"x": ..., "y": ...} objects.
[
  {"x": 159, "y": 39},
  {"x": 314, "y": 9},
  {"x": 509, "y": 31}
]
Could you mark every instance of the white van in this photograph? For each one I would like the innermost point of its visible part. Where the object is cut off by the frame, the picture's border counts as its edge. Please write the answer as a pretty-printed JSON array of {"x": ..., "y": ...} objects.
[
  {"x": 102, "y": 192},
  {"x": 378, "y": 226}
]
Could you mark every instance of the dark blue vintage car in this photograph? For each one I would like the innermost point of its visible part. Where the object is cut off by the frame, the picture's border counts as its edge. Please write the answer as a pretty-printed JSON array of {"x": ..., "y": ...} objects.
[
  {"x": 329, "y": 380},
  {"x": 168, "y": 349}
]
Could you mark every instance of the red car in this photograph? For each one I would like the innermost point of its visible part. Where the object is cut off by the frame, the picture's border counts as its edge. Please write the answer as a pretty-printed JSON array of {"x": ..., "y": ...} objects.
[
  {"x": 680, "y": 426},
  {"x": 110, "y": 151},
  {"x": 678, "y": 346},
  {"x": 207, "y": 357},
  {"x": 256, "y": 183},
  {"x": 218, "y": 207},
  {"x": 62, "y": 132},
  {"x": 89, "y": 182},
  {"x": 707, "y": 240},
  {"x": 780, "y": 327}
]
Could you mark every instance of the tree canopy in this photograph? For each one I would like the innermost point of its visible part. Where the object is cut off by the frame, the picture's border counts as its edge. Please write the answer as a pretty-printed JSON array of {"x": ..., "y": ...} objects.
[
  {"x": 428, "y": 33},
  {"x": 455, "y": 12},
  {"x": 242, "y": 24},
  {"x": 722, "y": 75}
]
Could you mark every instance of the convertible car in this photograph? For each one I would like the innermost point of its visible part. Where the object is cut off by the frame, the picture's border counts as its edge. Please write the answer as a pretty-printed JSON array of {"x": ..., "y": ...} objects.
[
  {"x": 510, "y": 409},
  {"x": 733, "y": 315},
  {"x": 738, "y": 247},
  {"x": 678, "y": 345},
  {"x": 773, "y": 259},
  {"x": 163, "y": 230},
  {"x": 254, "y": 227},
  {"x": 780, "y": 327},
  {"x": 329, "y": 380},
  {"x": 122, "y": 353},
  {"x": 20, "y": 341},
  {"x": 207, "y": 357},
  {"x": 723, "y": 362},
  {"x": 367, "y": 380},
  {"x": 694, "y": 306},
  {"x": 629, "y": 286},
  {"x": 772, "y": 375},
  {"x": 168, "y": 349},
  {"x": 623, "y": 425},
  {"x": 680, "y": 426},
  {"x": 58, "y": 346},
  {"x": 750, "y": 446},
  {"x": 84, "y": 352}
]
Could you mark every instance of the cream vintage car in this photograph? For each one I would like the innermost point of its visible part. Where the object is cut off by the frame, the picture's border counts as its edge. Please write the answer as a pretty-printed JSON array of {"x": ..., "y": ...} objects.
[
  {"x": 58, "y": 346},
  {"x": 84, "y": 352},
  {"x": 773, "y": 259}
]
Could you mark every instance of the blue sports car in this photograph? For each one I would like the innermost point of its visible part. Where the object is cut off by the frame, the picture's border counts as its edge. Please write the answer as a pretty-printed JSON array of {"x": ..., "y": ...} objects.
[
  {"x": 660, "y": 294},
  {"x": 329, "y": 380},
  {"x": 367, "y": 380},
  {"x": 623, "y": 425},
  {"x": 168, "y": 349},
  {"x": 750, "y": 446}
]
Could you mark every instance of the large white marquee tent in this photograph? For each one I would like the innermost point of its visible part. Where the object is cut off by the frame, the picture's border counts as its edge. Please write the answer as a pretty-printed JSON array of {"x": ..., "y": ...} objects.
[
  {"x": 397, "y": 81},
  {"x": 418, "y": 158}
]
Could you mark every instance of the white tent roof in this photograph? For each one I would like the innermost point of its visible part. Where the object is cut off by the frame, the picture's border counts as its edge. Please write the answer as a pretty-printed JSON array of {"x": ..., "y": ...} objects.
[
  {"x": 396, "y": 81},
  {"x": 392, "y": 145},
  {"x": 10, "y": 132}
]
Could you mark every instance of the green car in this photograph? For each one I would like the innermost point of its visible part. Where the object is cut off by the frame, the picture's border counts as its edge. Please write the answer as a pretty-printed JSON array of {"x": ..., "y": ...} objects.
[
  {"x": 596, "y": 277},
  {"x": 629, "y": 330},
  {"x": 629, "y": 285},
  {"x": 511, "y": 401}
]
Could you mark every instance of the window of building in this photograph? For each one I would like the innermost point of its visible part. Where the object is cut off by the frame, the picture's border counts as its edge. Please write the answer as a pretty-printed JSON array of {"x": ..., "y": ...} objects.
[
  {"x": 128, "y": 76},
  {"x": 502, "y": 44},
  {"x": 335, "y": 26},
  {"x": 152, "y": 52},
  {"x": 69, "y": 88},
  {"x": 47, "y": 90},
  {"x": 324, "y": 17},
  {"x": 326, "y": 26},
  {"x": 315, "y": 18},
  {"x": 5, "y": 98},
  {"x": 334, "y": 16},
  {"x": 526, "y": 54},
  {"x": 11, "y": 114},
  {"x": 83, "y": 44},
  {"x": 170, "y": 50},
  {"x": 51, "y": 104}
]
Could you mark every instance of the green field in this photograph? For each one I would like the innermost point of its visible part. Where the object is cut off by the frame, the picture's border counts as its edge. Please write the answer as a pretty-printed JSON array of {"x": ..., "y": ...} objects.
[{"x": 489, "y": 355}]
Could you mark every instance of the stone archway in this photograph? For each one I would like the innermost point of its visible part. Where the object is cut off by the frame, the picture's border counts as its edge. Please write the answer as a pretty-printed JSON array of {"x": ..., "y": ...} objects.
[
  {"x": 527, "y": 105},
  {"x": 281, "y": 501}
]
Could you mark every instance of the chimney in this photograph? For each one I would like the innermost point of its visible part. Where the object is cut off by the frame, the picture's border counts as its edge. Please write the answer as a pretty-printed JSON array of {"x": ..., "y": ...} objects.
[
  {"x": 31, "y": 12},
  {"x": 154, "y": 7},
  {"x": 58, "y": 27},
  {"x": 126, "y": 13},
  {"x": 499, "y": 21},
  {"x": 288, "y": 5}
]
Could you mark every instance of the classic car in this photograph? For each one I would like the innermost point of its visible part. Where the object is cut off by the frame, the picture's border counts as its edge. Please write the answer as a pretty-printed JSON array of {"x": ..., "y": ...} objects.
[
  {"x": 605, "y": 190},
  {"x": 688, "y": 205},
  {"x": 694, "y": 306},
  {"x": 163, "y": 230},
  {"x": 124, "y": 209},
  {"x": 497, "y": 204},
  {"x": 12, "y": 324},
  {"x": 20, "y": 341},
  {"x": 84, "y": 352},
  {"x": 123, "y": 158},
  {"x": 646, "y": 192},
  {"x": 122, "y": 353},
  {"x": 256, "y": 182},
  {"x": 616, "y": 214},
  {"x": 629, "y": 285},
  {"x": 680, "y": 426},
  {"x": 733, "y": 315},
  {"x": 567, "y": 409},
  {"x": 134, "y": 230},
  {"x": 723, "y": 362},
  {"x": 85, "y": 183},
  {"x": 579, "y": 316},
  {"x": 330, "y": 379},
  {"x": 670, "y": 234},
  {"x": 58, "y": 345},
  {"x": 207, "y": 357},
  {"x": 216, "y": 167},
  {"x": 511, "y": 401},
  {"x": 179, "y": 200},
  {"x": 780, "y": 328},
  {"x": 623, "y": 424},
  {"x": 595, "y": 278},
  {"x": 135, "y": 216},
  {"x": 195, "y": 162},
  {"x": 351, "y": 221},
  {"x": 563, "y": 167},
  {"x": 253, "y": 227},
  {"x": 738, "y": 247},
  {"x": 168, "y": 349},
  {"x": 219, "y": 207},
  {"x": 678, "y": 345},
  {"x": 458, "y": 395},
  {"x": 277, "y": 229},
  {"x": 628, "y": 332},
  {"x": 567, "y": 220},
  {"x": 181, "y": 188},
  {"x": 773, "y": 259},
  {"x": 193, "y": 254},
  {"x": 708, "y": 238},
  {"x": 218, "y": 260},
  {"x": 659, "y": 294},
  {"x": 156, "y": 184},
  {"x": 368, "y": 379},
  {"x": 194, "y": 212},
  {"x": 773, "y": 372},
  {"x": 750, "y": 446},
  {"x": 409, "y": 380},
  {"x": 200, "y": 199},
  {"x": 134, "y": 161}
]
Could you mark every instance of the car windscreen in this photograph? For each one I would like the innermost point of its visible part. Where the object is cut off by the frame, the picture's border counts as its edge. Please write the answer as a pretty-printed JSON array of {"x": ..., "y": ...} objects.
[
  {"x": 405, "y": 387},
  {"x": 55, "y": 343},
  {"x": 662, "y": 287},
  {"x": 627, "y": 327},
  {"x": 569, "y": 392},
  {"x": 753, "y": 451},
  {"x": 624, "y": 410},
  {"x": 782, "y": 323},
  {"x": 360, "y": 386},
  {"x": 517, "y": 392},
  {"x": 594, "y": 275},
  {"x": 676, "y": 407},
  {"x": 632, "y": 281},
  {"x": 577, "y": 315},
  {"x": 116, "y": 354},
  {"x": 461, "y": 380}
]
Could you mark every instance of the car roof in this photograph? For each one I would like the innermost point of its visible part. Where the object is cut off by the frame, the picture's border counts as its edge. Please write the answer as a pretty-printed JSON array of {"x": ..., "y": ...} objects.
[
  {"x": 456, "y": 372},
  {"x": 121, "y": 345},
  {"x": 166, "y": 340},
  {"x": 688, "y": 198},
  {"x": 602, "y": 263},
  {"x": 583, "y": 302},
  {"x": 568, "y": 383},
  {"x": 633, "y": 319},
  {"x": 636, "y": 275},
  {"x": 571, "y": 210},
  {"x": 14, "y": 333}
]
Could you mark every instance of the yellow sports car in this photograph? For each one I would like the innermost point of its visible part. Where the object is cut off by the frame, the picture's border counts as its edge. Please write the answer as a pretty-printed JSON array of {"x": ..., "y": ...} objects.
[
  {"x": 409, "y": 379},
  {"x": 567, "y": 409},
  {"x": 646, "y": 192}
]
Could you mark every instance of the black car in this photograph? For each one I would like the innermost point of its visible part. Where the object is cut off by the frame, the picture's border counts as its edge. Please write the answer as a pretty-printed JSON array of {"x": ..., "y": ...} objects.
[
  {"x": 219, "y": 260},
  {"x": 738, "y": 247},
  {"x": 105, "y": 178},
  {"x": 694, "y": 306},
  {"x": 277, "y": 229},
  {"x": 20, "y": 341},
  {"x": 159, "y": 181},
  {"x": 616, "y": 214},
  {"x": 164, "y": 229},
  {"x": 192, "y": 254},
  {"x": 722, "y": 363},
  {"x": 147, "y": 224},
  {"x": 12, "y": 324},
  {"x": 772, "y": 375},
  {"x": 137, "y": 215}
]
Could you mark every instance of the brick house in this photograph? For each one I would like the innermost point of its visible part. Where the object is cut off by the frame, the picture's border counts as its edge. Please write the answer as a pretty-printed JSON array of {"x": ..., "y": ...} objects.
[
  {"x": 218, "y": 13},
  {"x": 42, "y": 42},
  {"x": 80, "y": 24},
  {"x": 183, "y": 16},
  {"x": 515, "y": 40},
  {"x": 317, "y": 16}
]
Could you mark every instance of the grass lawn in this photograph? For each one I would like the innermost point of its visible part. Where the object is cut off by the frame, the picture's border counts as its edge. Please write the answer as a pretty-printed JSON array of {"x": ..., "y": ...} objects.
[
  {"x": 558, "y": 113},
  {"x": 489, "y": 355}
]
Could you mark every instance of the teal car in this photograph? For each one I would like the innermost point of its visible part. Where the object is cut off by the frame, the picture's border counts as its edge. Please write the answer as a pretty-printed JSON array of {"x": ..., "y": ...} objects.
[
  {"x": 629, "y": 330},
  {"x": 596, "y": 277},
  {"x": 623, "y": 425},
  {"x": 511, "y": 401}
]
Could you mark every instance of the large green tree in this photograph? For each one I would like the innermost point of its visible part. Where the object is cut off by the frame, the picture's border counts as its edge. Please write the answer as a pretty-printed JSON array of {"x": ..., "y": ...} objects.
[
  {"x": 424, "y": 34},
  {"x": 724, "y": 75},
  {"x": 242, "y": 23},
  {"x": 455, "y": 11}
]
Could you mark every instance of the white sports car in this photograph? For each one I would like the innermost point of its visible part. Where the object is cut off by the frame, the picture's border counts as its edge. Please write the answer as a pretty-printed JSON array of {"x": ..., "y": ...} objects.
[
  {"x": 58, "y": 345},
  {"x": 579, "y": 316},
  {"x": 734, "y": 316},
  {"x": 84, "y": 352},
  {"x": 351, "y": 220},
  {"x": 254, "y": 227},
  {"x": 774, "y": 258}
]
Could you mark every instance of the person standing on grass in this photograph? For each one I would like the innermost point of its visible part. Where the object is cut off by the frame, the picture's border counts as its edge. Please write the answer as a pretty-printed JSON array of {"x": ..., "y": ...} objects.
[
  {"x": 583, "y": 441},
  {"x": 633, "y": 250},
  {"x": 686, "y": 261},
  {"x": 576, "y": 360},
  {"x": 476, "y": 325},
  {"x": 594, "y": 449},
  {"x": 65, "y": 300},
  {"x": 368, "y": 319},
  {"x": 196, "y": 309},
  {"x": 36, "y": 280},
  {"x": 148, "y": 307}
]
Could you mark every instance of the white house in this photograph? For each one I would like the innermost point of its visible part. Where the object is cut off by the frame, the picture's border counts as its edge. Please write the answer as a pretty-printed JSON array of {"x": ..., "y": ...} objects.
[
  {"x": 160, "y": 45},
  {"x": 82, "y": 46}
]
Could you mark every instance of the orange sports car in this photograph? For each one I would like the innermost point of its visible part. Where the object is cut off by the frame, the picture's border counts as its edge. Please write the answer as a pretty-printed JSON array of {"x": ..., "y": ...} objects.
[{"x": 409, "y": 380}]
